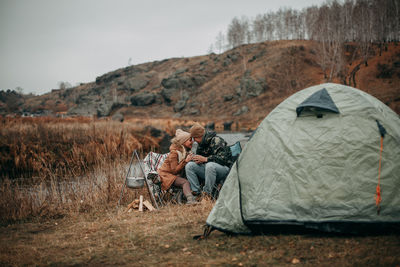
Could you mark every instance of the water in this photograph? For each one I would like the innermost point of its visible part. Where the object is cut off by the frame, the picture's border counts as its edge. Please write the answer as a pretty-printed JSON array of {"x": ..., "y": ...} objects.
[{"x": 233, "y": 137}]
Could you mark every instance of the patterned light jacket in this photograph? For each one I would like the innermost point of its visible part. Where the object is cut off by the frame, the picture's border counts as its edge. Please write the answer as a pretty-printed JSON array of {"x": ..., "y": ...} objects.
[{"x": 215, "y": 149}]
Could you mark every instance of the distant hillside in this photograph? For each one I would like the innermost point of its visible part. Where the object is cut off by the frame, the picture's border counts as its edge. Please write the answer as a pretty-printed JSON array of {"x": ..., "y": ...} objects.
[{"x": 242, "y": 84}]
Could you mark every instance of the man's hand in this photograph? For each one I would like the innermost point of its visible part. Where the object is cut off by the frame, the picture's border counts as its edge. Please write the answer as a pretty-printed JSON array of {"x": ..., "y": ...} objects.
[{"x": 199, "y": 159}]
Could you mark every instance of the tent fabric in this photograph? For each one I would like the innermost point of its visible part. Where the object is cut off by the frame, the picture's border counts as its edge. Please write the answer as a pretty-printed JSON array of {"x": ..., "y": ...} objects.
[
  {"x": 321, "y": 100},
  {"x": 315, "y": 172}
]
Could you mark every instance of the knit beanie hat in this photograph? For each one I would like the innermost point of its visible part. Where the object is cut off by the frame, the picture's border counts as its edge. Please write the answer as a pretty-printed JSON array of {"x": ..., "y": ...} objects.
[
  {"x": 197, "y": 130},
  {"x": 181, "y": 136}
]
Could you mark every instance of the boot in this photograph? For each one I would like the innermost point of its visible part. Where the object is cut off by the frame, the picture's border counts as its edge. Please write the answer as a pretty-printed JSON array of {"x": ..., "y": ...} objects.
[{"x": 191, "y": 200}]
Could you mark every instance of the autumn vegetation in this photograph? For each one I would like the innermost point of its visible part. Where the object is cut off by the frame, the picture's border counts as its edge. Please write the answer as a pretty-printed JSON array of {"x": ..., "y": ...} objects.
[
  {"x": 52, "y": 166},
  {"x": 45, "y": 147},
  {"x": 69, "y": 216},
  {"x": 332, "y": 25},
  {"x": 61, "y": 178}
]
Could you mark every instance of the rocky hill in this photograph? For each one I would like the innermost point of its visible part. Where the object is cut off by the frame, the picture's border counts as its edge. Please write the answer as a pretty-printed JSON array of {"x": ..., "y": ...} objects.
[{"x": 242, "y": 84}]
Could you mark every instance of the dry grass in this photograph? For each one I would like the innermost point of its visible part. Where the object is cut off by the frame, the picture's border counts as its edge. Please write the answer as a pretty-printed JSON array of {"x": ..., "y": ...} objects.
[
  {"x": 114, "y": 237},
  {"x": 69, "y": 165},
  {"x": 57, "y": 197},
  {"x": 66, "y": 165},
  {"x": 46, "y": 147},
  {"x": 74, "y": 221}
]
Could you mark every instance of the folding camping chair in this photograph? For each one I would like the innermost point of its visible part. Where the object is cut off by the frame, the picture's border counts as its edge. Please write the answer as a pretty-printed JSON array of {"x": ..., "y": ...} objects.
[
  {"x": 152, "y": 162},
  {"x": 148, "y": 170}
]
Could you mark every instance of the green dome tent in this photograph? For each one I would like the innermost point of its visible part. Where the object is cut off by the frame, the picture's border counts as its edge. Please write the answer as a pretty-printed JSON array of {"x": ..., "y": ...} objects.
[{"x": 316, "y": 161}]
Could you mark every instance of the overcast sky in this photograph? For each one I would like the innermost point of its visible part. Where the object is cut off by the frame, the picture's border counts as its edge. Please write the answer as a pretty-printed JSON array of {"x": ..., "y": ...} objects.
[{"x": 44, "y": 42}]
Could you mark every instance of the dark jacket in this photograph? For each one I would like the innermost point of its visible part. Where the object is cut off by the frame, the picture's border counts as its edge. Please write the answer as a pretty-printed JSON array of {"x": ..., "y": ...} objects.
[{"x": 215, "y": 149}]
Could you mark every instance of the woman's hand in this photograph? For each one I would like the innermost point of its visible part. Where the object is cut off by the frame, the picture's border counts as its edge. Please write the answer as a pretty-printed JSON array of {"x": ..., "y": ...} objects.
[{"x": 189, "y": 157}]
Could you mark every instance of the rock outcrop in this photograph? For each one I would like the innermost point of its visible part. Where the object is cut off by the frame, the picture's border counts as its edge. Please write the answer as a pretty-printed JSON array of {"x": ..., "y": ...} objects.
[
  {"x": 250, "y": 77},
  {"x": 143, "y": 99}
]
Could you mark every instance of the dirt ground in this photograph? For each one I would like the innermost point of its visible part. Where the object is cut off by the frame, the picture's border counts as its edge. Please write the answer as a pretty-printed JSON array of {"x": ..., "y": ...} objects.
[{"x": 165, "y": 237}]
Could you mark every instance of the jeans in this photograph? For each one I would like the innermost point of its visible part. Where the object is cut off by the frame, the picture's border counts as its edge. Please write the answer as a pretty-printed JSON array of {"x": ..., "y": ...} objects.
[
  {"x": 182, "y": 182},
  {"x": 209, "y": 172}
]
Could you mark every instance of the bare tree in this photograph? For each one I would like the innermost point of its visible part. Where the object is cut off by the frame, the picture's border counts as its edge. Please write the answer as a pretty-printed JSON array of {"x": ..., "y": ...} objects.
[
  {"x": 333, "y": 23},
  {"x": 311, "y": 21},
  {"x": 64, "y": 85},
  {"x": 396, "y": 20},
  {"x": 280, "y": 24},
  {"x": 337, "y": 40},
  {"x": 258, "y": 27},
  {"x": 364, "y": 17},
  {"x": 299, "y": 25},
  {"x": 237, "y": 32},
  {"x": 320, "y": 34},
  {"x": 220, "y": 42},
  {"x": 269, "y": 26},
  {"x": 380, "y": 23},
  {"x": 347, "y": 17},
  {"x": 210, "y": 49}
]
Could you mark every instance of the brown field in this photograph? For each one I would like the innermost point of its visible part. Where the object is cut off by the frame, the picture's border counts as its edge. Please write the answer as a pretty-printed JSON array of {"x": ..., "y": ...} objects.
[
  {"x": 111, "y": 236},
  {"x": 68, "y": 215}
]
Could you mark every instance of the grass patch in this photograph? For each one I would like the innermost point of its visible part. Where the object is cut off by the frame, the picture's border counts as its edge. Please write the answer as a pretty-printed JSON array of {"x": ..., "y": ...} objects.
[{"x": 114, "y": 237}]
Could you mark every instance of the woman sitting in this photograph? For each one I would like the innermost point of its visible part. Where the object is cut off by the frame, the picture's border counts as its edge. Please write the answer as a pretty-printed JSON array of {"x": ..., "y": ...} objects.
[{"x": 172, "y": 170}]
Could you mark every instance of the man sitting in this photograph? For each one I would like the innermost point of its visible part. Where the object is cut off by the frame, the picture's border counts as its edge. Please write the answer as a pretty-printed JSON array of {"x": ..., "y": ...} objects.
[{"x": 212, "y": 160}]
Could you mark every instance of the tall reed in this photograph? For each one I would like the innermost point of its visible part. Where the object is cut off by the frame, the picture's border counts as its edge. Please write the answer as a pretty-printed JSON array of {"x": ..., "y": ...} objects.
[
  {"x": 52, "y": 167},
  {"x": 97, "y": 190},
  {"x": 42, "y": 147}
]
